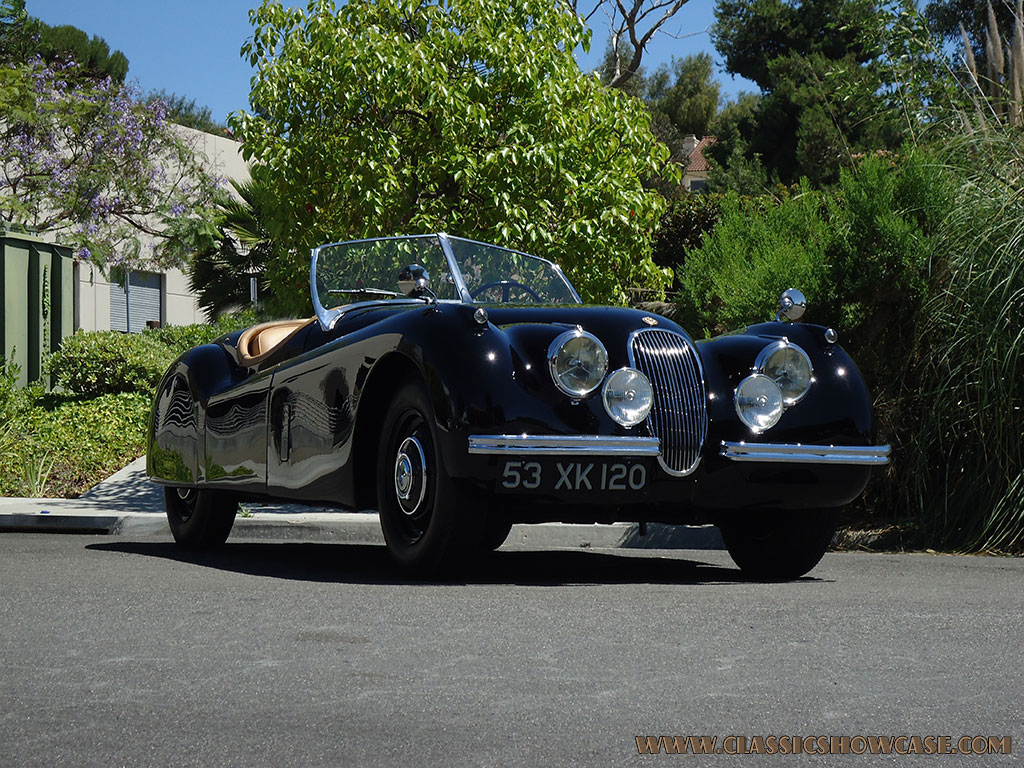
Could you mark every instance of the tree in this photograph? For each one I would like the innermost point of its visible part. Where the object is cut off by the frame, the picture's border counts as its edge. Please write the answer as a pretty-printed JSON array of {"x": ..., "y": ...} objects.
[
  {"x": 946, "y": 17},
  {"x": 685, "y": 93},
  {"x": 64, "y": 42},
  {"x": 633, "y": 24},
  {"x": 22, "y": 37},
  {"x": 17, "y": 31},
  {"x": 243, "y": 249},
  {"x": 84, "y": 160},
  {"x": 407, "y": 116},
  {"x": 817, "y": 63},
  {"x": 184, "y": 111}
]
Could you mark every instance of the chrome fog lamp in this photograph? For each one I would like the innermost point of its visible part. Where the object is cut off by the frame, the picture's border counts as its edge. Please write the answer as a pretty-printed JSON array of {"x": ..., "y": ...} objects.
[
  {"x": 627, "y": 396},
  {"x": 578, "y": 362},
  {"x": 789, "y": 367},
  {"x": 758, "y": 402}
]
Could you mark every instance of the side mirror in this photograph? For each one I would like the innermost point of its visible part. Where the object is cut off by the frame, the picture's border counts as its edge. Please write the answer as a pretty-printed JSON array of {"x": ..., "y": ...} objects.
[
  {"x": 792, "y": 305},
  {"x": 414, "y": 282}
]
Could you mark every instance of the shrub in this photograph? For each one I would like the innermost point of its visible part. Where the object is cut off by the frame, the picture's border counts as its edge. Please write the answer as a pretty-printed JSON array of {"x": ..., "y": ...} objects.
[
  {"x": 106, "y": 362},
  {"x": 754, "y": 253},
  {"x": 683, "y": 227},
  {"x": 65, "y": 445},
  {"x": 861, "y": 252},
  {"x": 181, "y": 338}
]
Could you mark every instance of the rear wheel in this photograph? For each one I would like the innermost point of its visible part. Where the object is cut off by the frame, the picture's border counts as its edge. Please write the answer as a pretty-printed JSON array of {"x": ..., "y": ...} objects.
[
  {"x": 199, "y": 518},
  {"x": 779, "y": 545},
  {"x": 429, "y": 526}
]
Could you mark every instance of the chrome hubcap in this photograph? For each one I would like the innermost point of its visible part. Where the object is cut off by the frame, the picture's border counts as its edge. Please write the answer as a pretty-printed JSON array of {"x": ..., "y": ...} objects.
[{"x": 410, "y": 475}]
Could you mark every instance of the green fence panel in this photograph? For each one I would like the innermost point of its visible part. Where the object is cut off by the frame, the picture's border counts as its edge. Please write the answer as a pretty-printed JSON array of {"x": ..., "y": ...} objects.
[{"x": 37, "y": 289}]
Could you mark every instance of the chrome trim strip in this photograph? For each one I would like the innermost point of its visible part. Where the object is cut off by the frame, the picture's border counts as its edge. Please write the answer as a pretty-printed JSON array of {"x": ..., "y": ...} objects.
[
  {"x": 564, "y": 445},
  {"x": 798, "y": 453}
]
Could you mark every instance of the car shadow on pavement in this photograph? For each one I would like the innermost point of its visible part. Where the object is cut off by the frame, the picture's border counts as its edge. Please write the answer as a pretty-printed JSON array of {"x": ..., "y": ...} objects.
[{"x": 370, "y": 564}]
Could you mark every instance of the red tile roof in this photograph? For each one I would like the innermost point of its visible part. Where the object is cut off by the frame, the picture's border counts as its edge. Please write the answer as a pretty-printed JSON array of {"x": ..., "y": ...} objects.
[{"x": 698, "y": 163}]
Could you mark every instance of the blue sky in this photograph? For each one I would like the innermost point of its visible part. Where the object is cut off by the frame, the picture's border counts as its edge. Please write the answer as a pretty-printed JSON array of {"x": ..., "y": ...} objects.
[{"x": 191, "y": 48}]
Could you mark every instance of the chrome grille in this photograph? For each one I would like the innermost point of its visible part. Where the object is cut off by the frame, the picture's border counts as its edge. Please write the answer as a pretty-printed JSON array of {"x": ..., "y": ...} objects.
[{"x": 679, "y": 416}]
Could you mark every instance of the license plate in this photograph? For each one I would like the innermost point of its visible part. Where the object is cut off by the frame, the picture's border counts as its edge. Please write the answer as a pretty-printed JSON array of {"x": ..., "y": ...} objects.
[{"x": 572, "y": 476}]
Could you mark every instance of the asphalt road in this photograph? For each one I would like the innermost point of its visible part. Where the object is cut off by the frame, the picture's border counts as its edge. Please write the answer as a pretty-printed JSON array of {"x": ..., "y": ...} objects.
[{"x": 124, "y": 651}]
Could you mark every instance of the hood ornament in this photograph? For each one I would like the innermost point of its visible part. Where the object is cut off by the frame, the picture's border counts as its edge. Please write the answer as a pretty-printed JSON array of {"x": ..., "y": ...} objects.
[{"x": 649, "y": 320}]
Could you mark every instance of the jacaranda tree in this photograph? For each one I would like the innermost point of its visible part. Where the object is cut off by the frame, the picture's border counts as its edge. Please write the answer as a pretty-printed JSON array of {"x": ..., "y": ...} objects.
[
  {"x": 387, "y": 117},
  {"x": 81, "y": 158}
]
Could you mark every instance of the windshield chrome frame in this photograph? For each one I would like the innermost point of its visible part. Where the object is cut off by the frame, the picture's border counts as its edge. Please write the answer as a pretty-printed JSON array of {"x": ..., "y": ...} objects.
[{"x": 329, "y": 317}]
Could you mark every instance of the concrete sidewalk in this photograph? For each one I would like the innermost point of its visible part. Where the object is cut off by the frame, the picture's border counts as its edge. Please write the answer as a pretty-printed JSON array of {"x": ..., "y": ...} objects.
[{"x": 128, "y": 503}]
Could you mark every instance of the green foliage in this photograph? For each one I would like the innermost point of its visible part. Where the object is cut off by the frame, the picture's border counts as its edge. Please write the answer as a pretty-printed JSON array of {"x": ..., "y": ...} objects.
[
  {"x": 64, "y": 42},
  {"x": 961, "y": 475},
  {"x": 686, "y": 93},
  {"x": 946, "y": 16},
  {"x": 184, "y": 111},
  {"x": 823, "y": 92},
  {"x": 472, "y": 117},
  {"x": 861, "y": 253},
  {"x": 9, "y": 371},
  {"x": 105, "y": 362},
  {"x": 17, "y": 31},
  {"x": 754, "y": 254},
  {"x": 181, "y": 338},
  {"x": 59, "y": 173},
  {"x": 218, "y": 275},
  {"x": 64, "y": 446},
  {"x": 687, "y": 221},
  {"x": 22, "y": 37}
]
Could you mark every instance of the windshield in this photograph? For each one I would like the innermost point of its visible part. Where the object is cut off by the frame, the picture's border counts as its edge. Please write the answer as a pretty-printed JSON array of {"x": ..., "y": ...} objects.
[
  {"x": 458, "y": 270},
  {"x": 498, "y": 275}
]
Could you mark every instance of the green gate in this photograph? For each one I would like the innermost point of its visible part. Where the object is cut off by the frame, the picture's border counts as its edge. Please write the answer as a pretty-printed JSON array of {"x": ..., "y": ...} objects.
[{"x": 37, "y": 288}]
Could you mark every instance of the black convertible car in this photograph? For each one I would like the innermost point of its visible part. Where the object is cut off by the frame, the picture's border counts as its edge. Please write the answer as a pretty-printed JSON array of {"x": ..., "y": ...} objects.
[{"x": 459, "y": 387}]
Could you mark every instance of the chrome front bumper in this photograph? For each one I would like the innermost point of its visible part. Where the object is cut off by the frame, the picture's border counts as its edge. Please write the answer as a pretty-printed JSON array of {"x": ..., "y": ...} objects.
[
  {"x": 799, "y": 453},
  {"x": 574, "y": 445}
]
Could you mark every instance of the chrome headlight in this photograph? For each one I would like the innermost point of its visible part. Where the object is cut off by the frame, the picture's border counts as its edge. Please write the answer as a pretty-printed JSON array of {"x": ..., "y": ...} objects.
[
  {"x": 789, "y": 367},
  {"x": 758, "y": 402},
  {"x": 627, "y": 396},
  {"x": 578, "y": 362}
]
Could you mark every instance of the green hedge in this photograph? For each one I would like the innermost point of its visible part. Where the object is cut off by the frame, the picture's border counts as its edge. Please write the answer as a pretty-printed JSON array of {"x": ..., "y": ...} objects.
[{"x": 107, "y": 362}]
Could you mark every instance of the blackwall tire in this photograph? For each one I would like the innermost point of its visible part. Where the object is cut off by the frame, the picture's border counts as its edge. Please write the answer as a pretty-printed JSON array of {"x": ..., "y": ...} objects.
[
  {"x": 779, "y": 545},
  {"x": 199, "y": 519},
  {"x": 429, "y": 526},
  {"x": 496, "y": 532}
]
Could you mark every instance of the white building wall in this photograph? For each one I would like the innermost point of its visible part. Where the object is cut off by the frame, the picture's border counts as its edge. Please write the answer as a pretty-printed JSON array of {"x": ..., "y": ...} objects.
[{"x": 222, "y": 157}]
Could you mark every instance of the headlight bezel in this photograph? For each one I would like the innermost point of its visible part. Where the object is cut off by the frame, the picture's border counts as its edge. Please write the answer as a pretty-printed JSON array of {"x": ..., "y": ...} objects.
[
  {"x": 555, "y": 347},
  {"x": 609, "y": 408},
  {"x": 765, "y": 355}
]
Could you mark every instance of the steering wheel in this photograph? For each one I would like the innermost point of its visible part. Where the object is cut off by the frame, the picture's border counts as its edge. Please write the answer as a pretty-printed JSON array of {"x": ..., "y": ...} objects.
[{"x": 505, "y": 285}]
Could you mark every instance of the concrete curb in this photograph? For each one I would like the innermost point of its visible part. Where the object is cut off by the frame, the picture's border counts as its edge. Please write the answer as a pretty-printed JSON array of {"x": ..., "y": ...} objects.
[{"x": 127, "y": 503}]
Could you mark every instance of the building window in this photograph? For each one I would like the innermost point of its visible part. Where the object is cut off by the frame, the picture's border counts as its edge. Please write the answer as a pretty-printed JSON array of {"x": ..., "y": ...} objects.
[
  {"x": 697, "y": 185},
  {"x": 136, "y": 301}
]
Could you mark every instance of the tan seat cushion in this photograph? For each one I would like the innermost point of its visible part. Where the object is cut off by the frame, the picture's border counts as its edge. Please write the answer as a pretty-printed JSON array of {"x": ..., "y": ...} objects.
[{"x": 256, "y": 344}]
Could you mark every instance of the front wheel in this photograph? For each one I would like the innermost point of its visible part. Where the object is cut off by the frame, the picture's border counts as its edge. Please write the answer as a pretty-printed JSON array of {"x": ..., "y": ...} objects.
[
  {"x": 779, "y": 545},
  {"x": 428, "y": 524},
  {"x": 199, "y": 518}
]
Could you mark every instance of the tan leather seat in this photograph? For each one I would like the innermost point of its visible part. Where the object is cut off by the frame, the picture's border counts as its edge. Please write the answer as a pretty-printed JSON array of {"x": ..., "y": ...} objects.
[{"x": 256, "y": 344}]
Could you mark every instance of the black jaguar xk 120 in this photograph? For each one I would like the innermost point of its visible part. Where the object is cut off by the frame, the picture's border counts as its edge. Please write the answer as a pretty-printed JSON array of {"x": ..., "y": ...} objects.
[{"x": 458, "y": 388}]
